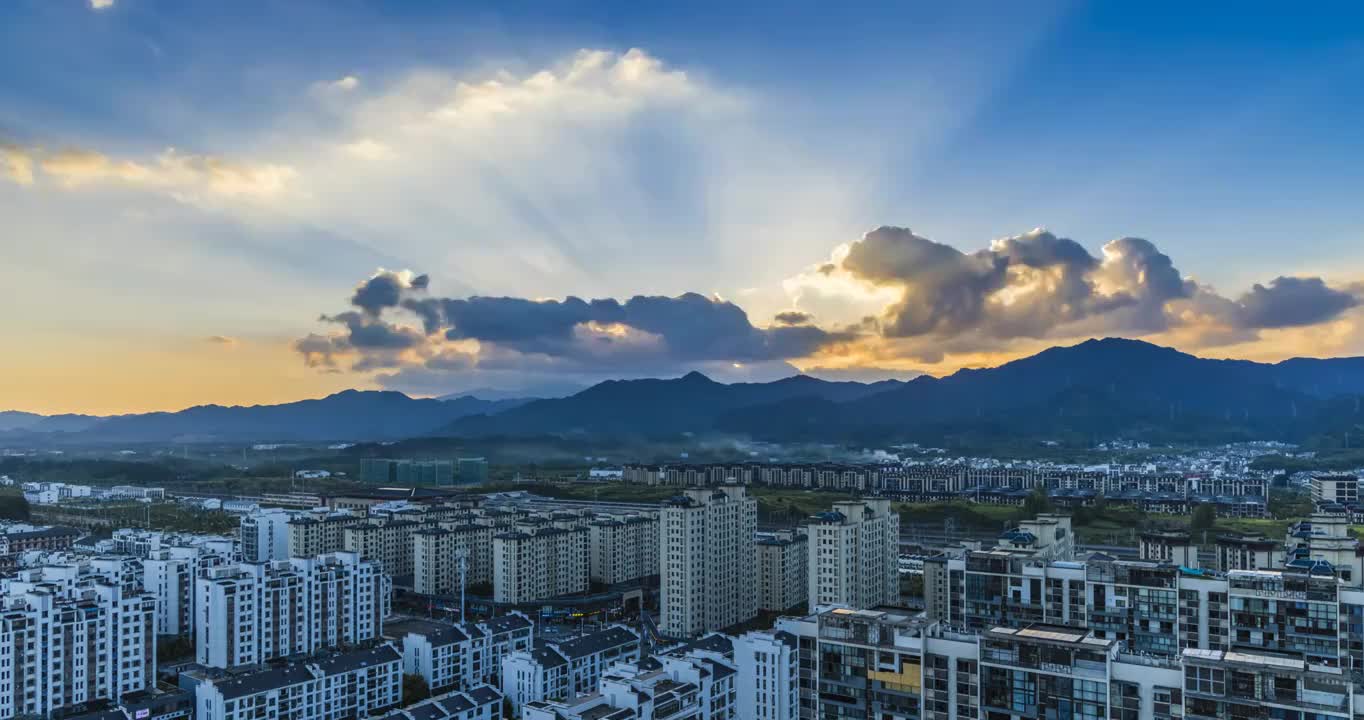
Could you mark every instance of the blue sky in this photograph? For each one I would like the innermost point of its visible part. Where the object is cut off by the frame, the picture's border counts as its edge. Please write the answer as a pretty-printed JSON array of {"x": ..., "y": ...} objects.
[{"x": 761, "y": 140}]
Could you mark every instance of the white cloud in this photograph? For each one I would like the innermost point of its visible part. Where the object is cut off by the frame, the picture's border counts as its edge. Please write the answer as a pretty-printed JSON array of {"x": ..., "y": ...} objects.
[
  {"x": 101, "y": 4},
  {"x": 345, "y": 84},
  {"x": 16, "y": 163},
  {"x": 186, "y": 177}
]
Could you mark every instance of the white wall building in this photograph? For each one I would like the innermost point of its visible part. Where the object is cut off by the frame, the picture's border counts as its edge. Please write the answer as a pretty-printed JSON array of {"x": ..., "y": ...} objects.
[
  {"x": 68, "y": 638},
  {"x": 346, "y": 685},
  {"x": 707, "y": 560},
  {"x": 623, "y": 548},
  {"x": 853, "y": 555},
  {"x": 265, "y": 535},
  {"x": 568, "y": 668},
  {"x": 539, "y": 563},
  {"x": 768, "y": 665},
  {"x": 253, "y": 612},
  {"x": 783, "y": 570},
  {"x": 169, "y": 574},
  {"x": 451, "y": 656}
]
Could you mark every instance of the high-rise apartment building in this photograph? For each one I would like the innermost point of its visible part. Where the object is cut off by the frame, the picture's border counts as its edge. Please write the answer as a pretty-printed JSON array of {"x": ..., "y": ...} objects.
[
  {"x": 169, "y": 574},
  {"x": 255, "y": 612},
  {"x": 853, "y": 555},
  {"x": 265, "y": 535},
  {"x": 782, "y": 560},
  {"x": 707, "y": 560},
  {"x": 436, "y": 553},
  {"x": 622, "y": 548},
  {"x": 537, "y": 563},
  {"x": 388, "y": 542},
  {"x": 768, "y": 683},
  {"x": 69, "y": 638}
]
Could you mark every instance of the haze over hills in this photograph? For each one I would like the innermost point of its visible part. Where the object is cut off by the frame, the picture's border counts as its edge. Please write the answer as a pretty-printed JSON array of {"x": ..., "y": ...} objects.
[{"x": 1097, "y": 389}]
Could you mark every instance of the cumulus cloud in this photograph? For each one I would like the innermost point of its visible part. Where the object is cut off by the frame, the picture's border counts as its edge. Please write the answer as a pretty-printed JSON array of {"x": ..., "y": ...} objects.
[
  {"x": 1039, "y": 286},
  {"x": 101, "y": 4},
  {"x": 385, "y": 289},
  {"x": 397, "y": 327}
]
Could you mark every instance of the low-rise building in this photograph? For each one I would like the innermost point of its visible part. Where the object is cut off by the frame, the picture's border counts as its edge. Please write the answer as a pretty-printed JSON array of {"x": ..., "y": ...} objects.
[
  {"x": 352, "y": 684},
  {"x": 566, "y": 669},
  {"x": 452, "y": 656},
  {"x": 483, "y": 702},
  {"x": 1169, "y": 546}
]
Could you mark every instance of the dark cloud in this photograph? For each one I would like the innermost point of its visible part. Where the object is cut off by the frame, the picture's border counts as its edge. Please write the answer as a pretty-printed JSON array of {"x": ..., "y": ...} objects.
[
  {"x": 1292, "y": 302},
  {"x": 644, "y": 334},
  {"x": 1021, "y": 292},
  {"x": 371, "y": 333},
  {"x": 322, "y": 351},
  {"x": 793, "y": 317},
  {"x": 386, "y": 290},
  {"x": 944, "y": 289}
]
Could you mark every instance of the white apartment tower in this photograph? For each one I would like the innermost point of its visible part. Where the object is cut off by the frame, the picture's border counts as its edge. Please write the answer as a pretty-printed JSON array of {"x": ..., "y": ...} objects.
[
  {"x": 783, "y": 566},
  {"x": 540, "y": 563},
  {"x": 853, "y": 555},
  {"x": 70, "y": 643},
  {"x": 706, "y": 560},
  {"x": 265, "y": 535},
  {"x": 623, "y": 548},
  {"x": 768, "y": 675},
  {"x": 255, "y": 612}
]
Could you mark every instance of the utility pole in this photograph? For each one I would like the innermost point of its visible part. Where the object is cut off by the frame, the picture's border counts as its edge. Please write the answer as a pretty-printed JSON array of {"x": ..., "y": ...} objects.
[{"x": 462, "y": 562}]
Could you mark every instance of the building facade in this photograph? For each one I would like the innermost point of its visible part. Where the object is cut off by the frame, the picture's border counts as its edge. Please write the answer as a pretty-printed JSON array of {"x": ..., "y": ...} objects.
[
  {"x": 782, "y": 561},
  {"x": 707, "y": 560},
  {"x": 254, "y": 612},
  {"x": 853, "y": 555}
]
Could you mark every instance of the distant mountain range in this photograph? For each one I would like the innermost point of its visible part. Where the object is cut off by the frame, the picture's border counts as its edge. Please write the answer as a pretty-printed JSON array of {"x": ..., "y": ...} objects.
[
  {"x": 1098, "y": 388},
  {"x": 1095, "y": 390},
  {"x": 692, "y": 403},
  {"x": 347, "y": 415}
]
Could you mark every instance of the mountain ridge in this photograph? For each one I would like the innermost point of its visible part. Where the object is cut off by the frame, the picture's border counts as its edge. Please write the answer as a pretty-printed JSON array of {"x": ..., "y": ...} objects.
[{"x": 1110, "y": 386}]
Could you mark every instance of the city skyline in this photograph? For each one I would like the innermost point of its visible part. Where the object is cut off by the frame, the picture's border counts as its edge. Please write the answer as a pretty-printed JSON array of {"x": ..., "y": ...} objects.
[{"x": 204, "y": 208}]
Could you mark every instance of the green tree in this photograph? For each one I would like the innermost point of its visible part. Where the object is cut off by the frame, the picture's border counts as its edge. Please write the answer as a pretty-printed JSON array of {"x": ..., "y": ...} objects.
[
  {"x": 415, "y": 689},
  {"x": 14, "y": 507},
  {"x": 174, "y": 648},
  {"x": 1036, "y": 503},
  {"x": 1204, "y": 517}
]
